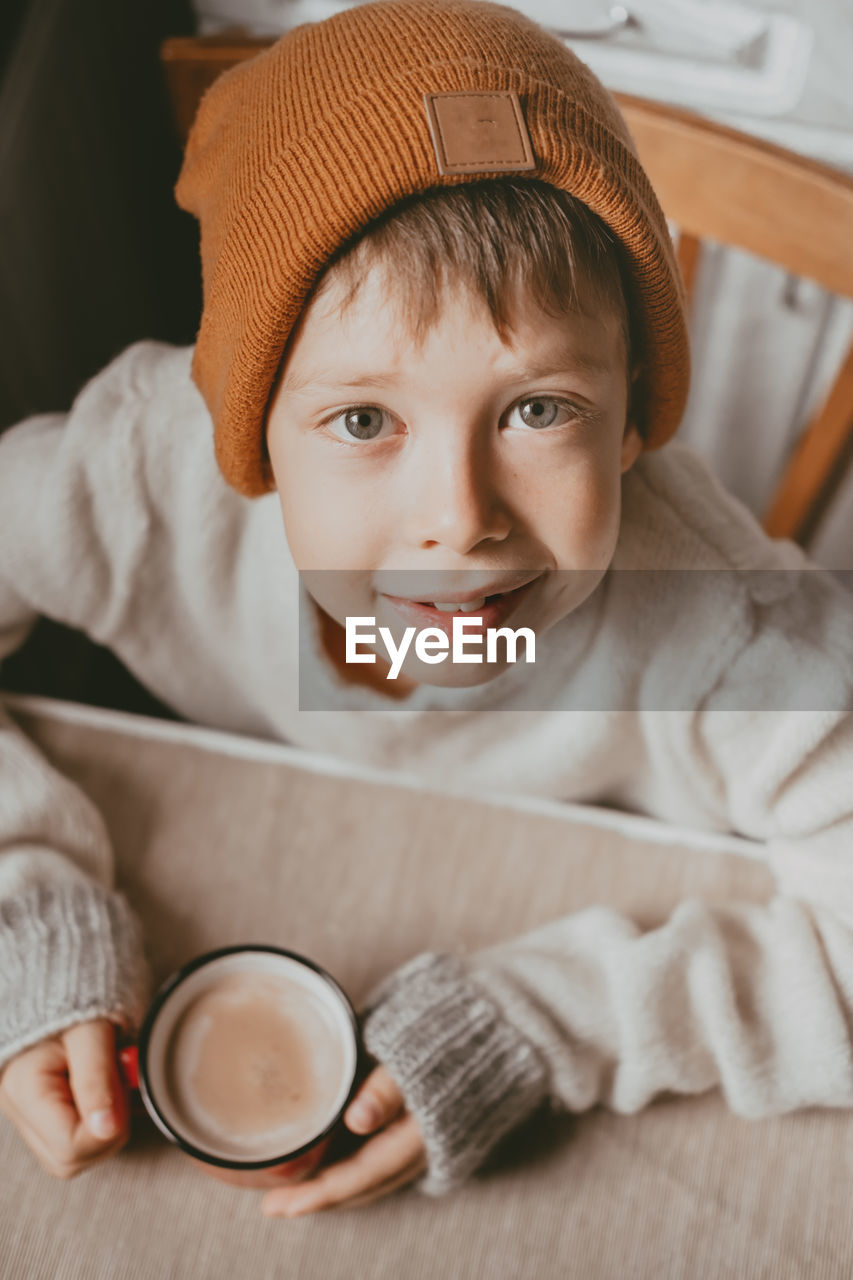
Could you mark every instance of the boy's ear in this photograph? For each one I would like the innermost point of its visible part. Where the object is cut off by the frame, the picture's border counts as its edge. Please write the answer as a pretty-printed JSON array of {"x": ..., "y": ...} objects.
[
  {"x": 632, "y": 441},
  {"x": 632, "y": 447}
]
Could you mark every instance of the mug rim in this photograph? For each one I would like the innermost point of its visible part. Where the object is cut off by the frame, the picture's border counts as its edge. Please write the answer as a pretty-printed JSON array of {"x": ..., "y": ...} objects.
[{"x": 161, "y": 996}]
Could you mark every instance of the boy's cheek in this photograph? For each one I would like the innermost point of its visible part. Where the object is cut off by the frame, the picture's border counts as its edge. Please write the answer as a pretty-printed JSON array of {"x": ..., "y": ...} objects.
[
  {"x": 324, "y": 521},
  {"x": 340, "y": 593},
  {"x": 318, "y": 531},
  {"x": 591, "y": 510}
]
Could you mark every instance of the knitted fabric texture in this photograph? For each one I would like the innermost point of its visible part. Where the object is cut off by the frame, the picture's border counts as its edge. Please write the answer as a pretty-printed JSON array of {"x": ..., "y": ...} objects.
[
  {"x": 68, "y": 953},
  {"x": 298, "y": 150},
  {"x": 463, "y": 1069}
]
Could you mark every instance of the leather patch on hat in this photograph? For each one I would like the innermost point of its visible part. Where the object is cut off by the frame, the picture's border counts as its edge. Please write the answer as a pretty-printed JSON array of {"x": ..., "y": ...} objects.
[{"x": 479, "y": 132}]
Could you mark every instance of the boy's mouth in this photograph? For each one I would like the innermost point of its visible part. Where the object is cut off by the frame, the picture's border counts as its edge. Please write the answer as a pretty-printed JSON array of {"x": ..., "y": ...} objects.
[{"x": 489, "y": 611}]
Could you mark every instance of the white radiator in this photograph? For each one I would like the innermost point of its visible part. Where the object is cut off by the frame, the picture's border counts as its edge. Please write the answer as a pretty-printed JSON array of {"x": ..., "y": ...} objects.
[{"x": 766, "y": 347}]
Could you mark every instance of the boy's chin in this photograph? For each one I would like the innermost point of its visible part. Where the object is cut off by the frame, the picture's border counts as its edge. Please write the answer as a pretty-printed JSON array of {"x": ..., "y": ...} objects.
[{"x": 450, "y": 675}]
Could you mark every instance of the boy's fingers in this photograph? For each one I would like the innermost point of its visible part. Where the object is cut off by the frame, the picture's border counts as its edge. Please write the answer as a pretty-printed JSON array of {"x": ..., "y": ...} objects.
[
  {"x": 96, "y": 1087},
  {"x": 37, "y": 1097},
  {"x": 377, "y": 1103},
  {"x": 47, "y": 1135},
  {"x": 394, "y": 1183},
  {"x": 389, "y": 1160},
  {"x": 37, "y": 1100}
]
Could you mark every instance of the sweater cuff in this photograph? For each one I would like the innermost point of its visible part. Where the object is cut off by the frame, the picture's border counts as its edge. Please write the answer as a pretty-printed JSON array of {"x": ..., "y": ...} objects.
[
  {"x": 467, "y": 1075},
  {"x": 68, "y": 953}
]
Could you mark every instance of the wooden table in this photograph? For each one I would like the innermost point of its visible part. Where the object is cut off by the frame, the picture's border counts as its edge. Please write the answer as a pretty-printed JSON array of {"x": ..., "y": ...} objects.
[{"x": 223, "y": 840}]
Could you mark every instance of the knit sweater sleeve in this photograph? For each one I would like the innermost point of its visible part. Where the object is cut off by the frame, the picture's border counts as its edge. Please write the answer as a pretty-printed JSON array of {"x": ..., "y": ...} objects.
[
  {"x": 756, "y": 1000},
  {"x": 70, "y": 947}
]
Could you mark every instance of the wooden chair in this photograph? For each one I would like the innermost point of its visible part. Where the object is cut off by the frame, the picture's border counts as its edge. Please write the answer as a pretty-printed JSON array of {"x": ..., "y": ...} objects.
[
  {"x": 714, "y": 184},
  {"x": 717, "y": 184}
]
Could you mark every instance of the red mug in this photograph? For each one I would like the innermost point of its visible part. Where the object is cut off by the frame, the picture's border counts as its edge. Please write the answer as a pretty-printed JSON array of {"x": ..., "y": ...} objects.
[{"x": 145, "y": 1066}]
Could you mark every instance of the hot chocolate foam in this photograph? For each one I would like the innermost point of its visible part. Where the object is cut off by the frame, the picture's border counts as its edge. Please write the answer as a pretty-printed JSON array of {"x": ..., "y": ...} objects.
[{"x": 255, "y": 1064}]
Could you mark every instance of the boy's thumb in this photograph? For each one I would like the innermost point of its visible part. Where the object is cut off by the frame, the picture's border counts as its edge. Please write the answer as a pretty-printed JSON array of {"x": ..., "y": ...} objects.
[
  {"x": 377, "y": 1103},
  {"x": 94, "y": 1079}
]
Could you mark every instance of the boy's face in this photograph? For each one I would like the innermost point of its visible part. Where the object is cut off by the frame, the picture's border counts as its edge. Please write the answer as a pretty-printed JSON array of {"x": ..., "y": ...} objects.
[{"x": 462, "y": 466}]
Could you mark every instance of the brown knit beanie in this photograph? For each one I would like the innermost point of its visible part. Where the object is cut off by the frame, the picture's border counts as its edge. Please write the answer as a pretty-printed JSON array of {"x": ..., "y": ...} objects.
[{"x": 297, "y": 150}]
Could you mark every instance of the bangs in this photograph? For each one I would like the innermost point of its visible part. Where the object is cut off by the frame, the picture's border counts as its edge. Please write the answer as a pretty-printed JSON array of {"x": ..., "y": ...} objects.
[{"x": 500, "y": 240}]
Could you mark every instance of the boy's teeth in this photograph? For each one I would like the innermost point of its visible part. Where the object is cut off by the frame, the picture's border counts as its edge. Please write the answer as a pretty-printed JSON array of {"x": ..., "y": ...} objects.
[{"x": 466, "y": 608}]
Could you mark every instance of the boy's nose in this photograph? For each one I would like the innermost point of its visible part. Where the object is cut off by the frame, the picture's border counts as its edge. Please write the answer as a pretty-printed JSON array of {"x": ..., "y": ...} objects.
[{"x": 453, "y": 501}]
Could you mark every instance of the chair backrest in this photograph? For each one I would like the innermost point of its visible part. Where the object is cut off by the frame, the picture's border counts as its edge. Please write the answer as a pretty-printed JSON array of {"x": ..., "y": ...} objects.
[
  {"x": 715, "y": 184},
  {"x": 192, "y": 63},
  {"x": 718, "y": 184}
]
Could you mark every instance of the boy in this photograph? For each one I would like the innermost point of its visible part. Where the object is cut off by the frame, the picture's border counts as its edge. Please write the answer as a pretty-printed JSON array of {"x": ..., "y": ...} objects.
[{"x": 443, "y": 323}]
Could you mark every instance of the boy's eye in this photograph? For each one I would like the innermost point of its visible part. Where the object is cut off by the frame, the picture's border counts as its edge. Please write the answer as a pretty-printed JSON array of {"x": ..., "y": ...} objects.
[
  {"x": 363, "y": 422},
  {"x": 544, "y": 411}
]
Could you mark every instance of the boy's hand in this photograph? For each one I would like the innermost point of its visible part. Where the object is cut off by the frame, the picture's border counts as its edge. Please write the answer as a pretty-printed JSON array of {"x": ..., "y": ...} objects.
[
  {"x": 393, "y": 1157},
  {"x": 66, "y": 1098}
]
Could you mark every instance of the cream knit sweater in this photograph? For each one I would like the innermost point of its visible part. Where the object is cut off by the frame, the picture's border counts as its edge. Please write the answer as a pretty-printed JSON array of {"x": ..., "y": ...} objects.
[{"x": 114, "y": 519}]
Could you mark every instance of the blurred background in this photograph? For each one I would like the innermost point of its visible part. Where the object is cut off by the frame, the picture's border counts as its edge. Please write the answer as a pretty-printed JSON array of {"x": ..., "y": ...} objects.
[{"x": 94, "y": 253}]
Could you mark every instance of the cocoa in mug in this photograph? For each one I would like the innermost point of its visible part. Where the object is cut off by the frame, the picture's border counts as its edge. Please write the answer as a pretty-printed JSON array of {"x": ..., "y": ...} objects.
[{"x": 248, "y": 1058}]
